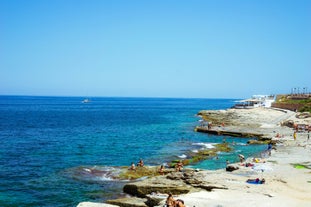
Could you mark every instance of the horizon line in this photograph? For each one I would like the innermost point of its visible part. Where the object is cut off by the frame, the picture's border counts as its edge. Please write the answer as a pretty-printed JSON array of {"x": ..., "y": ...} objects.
[{"x": 151, "y": 97}]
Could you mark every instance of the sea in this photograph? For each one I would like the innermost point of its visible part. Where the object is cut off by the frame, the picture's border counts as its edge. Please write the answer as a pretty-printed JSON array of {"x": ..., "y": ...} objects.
[{"x": 49, "y": 144}]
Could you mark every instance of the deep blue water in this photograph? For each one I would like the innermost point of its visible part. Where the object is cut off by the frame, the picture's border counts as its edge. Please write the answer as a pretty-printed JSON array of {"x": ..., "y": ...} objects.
[{"x": 44, "y": 140}]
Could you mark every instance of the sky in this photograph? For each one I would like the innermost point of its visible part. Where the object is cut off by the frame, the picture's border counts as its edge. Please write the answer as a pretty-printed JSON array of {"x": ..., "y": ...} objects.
[{"x": 155, "y": 48}]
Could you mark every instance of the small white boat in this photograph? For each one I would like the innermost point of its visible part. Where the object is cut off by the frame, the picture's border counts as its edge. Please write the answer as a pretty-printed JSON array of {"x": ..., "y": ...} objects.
[{"x": 86, "y": 100}]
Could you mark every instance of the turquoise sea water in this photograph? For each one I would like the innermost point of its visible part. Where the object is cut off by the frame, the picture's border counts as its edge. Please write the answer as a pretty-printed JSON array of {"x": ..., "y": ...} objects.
[{"x": 48, "y": 142}]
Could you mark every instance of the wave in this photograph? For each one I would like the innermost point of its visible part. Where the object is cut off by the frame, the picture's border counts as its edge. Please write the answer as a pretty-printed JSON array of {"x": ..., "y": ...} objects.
[
  {"x": 94, "y": 173},
  {"x": 98, "y": 175},
  {"x": 241, "y": 144},
  {"x": 183, "y": 156},
  {"x": 224, "y": 153},
  {"x": 205, "y": 145}
]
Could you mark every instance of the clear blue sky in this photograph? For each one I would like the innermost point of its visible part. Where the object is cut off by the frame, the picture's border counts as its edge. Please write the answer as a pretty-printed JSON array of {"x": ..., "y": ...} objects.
[{"x": 154, "y": 48}]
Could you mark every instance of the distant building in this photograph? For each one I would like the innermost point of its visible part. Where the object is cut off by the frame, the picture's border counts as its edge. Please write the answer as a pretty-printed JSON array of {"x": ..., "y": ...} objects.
[{"x": 255, "y": 101}]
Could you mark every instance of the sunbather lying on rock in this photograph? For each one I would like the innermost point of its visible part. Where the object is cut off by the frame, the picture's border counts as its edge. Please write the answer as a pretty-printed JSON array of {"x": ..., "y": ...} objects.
[
  {"x": 256, "y": 181},
  {"x": 179, "y": 203}
]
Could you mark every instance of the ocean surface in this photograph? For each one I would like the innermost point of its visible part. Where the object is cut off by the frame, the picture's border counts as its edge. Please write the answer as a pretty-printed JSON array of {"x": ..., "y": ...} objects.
[{"x": 49, "y": 143}]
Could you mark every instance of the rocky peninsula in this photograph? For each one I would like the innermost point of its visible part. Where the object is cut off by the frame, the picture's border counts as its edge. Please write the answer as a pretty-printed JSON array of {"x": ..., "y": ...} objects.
[{"x": 286, "y": 171}]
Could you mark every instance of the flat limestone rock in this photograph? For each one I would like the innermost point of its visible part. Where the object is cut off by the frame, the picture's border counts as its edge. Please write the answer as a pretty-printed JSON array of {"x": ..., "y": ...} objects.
[
  {"x": 157, "y": 184},
  {"x": 129, "y": 202},
  {"x": 91, "y": 204}
]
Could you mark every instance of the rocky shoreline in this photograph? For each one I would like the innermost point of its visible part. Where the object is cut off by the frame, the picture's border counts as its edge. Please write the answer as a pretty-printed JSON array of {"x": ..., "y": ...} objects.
[{"x": 229, "y": 188}]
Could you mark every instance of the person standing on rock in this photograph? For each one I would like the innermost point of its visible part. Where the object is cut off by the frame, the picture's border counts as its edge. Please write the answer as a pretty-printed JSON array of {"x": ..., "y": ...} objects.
[
  {"x": 242, "y": 158},
  {"x": 209, "y": 126},
  {"x": 295, "y": 135},
  {"x": 269, "y": 148},
  {"x": 179, "y": 166},
  {"x": 161, "y": 170}
]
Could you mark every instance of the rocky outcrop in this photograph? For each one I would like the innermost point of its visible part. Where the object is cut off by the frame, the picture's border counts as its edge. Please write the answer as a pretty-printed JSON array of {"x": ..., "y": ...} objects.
[
  {"x": 227, "y": 117},
  {"x": 129, "y": 202},
  {"x": 154, "y": 200},
  {"x": 231, "y": 168},
  {"x": 303, "y": 115},
  {"x": 253, "y": 142},
  {"x": 254, "y": 122},
  {"x": 204, "y": 154},
  {"x": 156, "y": 184},
  {"x": 176, "y": 183},
  {"x": 288, "y": 123},
  {"x": 226, "y": 132}
]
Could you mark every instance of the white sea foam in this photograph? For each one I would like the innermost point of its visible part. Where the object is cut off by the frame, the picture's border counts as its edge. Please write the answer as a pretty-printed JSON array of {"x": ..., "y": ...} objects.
[
  {"x": 87, "y": 170},
  {"x": 241, "y": 144},
  {"x": 204, "y": 145},
  {"x": 100, "y": 173},
  {"x": 183, "y": 156},
  {"x": 224, "y": 153}
]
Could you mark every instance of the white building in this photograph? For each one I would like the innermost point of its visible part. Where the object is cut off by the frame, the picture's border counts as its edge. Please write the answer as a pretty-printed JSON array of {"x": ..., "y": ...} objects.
[{"x": 256, "y": 101}]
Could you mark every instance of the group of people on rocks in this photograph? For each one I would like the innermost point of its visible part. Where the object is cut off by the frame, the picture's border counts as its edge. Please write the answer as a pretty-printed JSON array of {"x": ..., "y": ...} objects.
[
  {"x": 295, "y": 133},
  {"x": 161, "y": 170},
  {"x": 170, "y": 201},
  {"x": 139, "y": 164}
]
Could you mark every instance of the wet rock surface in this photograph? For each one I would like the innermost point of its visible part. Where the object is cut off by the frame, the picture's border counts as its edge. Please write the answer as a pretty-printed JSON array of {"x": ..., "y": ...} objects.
[{"x": 257, "y": 122}]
